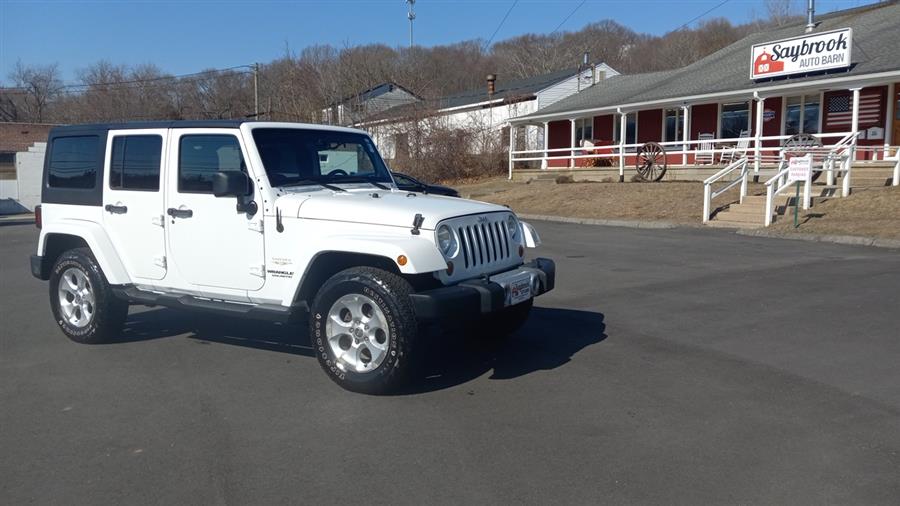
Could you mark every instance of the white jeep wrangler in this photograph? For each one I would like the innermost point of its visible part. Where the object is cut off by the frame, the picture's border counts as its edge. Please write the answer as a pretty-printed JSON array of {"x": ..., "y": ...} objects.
[{"x": 273, "y": 221}]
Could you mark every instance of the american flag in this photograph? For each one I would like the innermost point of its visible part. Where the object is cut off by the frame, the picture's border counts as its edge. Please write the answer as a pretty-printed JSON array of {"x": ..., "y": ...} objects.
[{"x": 840, "y": 110}]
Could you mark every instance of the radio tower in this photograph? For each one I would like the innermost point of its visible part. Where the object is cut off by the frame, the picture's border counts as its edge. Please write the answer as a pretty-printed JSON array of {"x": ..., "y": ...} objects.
[{"x": 411, "y": 15}]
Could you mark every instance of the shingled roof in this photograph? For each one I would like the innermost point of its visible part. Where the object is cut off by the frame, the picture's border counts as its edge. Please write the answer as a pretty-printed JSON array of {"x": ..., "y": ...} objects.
[{"x": 876, "y": 48}]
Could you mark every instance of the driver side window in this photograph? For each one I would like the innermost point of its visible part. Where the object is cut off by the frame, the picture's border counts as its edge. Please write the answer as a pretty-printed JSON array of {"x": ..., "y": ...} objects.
[{"x": 201, "y": 156}]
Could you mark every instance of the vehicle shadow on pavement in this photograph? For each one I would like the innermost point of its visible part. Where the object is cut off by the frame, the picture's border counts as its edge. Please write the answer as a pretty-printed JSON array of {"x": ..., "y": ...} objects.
[
  {"x": 161, "y": 323},
  {"x": 449, "y": 357},
  {"x": 549, "y": 339}
]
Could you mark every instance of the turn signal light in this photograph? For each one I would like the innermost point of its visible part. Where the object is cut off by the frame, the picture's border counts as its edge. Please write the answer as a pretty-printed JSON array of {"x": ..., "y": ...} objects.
[
  {"x": 521, "y": 251},
  {"x": 449, "y": 268},
  {"x": 401, "y": 260},
  {"x": 38, "y": 218}
]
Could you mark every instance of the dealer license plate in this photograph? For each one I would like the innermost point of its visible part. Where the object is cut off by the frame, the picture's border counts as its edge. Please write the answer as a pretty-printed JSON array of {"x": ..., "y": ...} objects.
[{"x": 519, "y": 290}]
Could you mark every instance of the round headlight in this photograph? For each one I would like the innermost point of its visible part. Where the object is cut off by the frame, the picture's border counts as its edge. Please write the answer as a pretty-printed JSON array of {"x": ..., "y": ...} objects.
[
  {"x": 512, "y": 226},
  {"x": 446, "y": 240}
]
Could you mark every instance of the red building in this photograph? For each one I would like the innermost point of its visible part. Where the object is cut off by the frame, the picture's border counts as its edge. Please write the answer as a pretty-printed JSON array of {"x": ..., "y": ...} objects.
[{"x": 838, "y": 83}]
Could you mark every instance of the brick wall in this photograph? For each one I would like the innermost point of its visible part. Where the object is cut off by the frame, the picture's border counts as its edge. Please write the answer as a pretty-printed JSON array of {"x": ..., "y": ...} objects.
[{"x": 15, "y": 137}]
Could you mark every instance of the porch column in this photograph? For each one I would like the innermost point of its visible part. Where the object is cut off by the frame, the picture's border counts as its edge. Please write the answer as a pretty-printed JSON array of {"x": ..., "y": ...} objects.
[
  {"x": 622, "y": 127},
  {"x": 888, "y": 122},
  {"x": 572, "y": 143},
  {"x": 854, "y": 127},
  {"x": 685, "y": 134},
  {"x": 512, "y": 147},
  {"x": 760, "y": 105},
  {"x": 546, "y": 144}
]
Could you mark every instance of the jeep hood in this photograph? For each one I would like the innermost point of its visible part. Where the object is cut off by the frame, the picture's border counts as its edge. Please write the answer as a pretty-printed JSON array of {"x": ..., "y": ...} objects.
[{"x": 393, "y": 208}]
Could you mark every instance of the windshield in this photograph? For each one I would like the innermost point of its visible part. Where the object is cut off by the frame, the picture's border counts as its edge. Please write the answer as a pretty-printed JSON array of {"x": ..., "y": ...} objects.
[{"x": 293, "y": 156}]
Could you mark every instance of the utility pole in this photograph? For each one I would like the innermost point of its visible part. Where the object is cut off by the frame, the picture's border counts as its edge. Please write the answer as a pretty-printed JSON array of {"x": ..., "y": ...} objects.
[
  {"x": 256, "y": 90},
  {"x": 411, "y": 15}
]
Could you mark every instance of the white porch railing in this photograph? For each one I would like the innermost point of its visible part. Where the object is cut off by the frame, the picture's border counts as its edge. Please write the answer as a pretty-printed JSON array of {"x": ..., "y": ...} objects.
[
  {"x": 709, "y": 194},
  {"x": 837, "y": 158},
  {"x": 618, "y": 153},
  {"x": 776, "y": 184}
]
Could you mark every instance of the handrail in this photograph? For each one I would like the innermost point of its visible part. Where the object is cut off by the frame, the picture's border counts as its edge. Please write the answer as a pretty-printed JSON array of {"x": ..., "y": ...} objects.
[
  {"x": 709, "y": 194},
  {"x": 777, "y": 183}
]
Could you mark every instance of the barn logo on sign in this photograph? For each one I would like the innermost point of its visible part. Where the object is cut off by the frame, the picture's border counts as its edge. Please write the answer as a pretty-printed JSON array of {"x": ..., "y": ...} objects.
[{"x": 801, "y": 55}]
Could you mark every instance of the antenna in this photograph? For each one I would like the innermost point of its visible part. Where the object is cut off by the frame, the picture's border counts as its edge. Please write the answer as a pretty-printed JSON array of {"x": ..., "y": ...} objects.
[{"x": 411, "y": 15}]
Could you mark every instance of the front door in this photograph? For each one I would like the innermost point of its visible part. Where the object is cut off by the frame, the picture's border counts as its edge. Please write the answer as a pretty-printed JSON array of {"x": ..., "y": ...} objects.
[
  {"x": 210, "y": 242},
  {"x": 133, "y": 201}
]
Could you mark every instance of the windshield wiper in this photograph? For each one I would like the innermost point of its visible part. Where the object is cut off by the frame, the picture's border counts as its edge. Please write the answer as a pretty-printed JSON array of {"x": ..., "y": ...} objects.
[
  {"x": 303, "y": 182},
  {"x": 359, "y": 179}
]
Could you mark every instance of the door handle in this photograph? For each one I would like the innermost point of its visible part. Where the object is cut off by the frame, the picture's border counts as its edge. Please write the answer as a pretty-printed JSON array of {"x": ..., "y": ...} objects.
[
  {"x": 116, "y": 209},
  {"x": 179, "y": 213}
]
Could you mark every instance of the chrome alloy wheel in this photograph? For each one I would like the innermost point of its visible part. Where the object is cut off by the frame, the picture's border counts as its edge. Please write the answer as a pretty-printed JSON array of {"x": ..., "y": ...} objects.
[
  {"x": 76, "y": 297},
  {"x": 357, "y": 333}
]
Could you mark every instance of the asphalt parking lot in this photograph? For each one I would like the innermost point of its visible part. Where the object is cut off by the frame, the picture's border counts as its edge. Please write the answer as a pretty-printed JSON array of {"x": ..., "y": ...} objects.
[{"x": 680, "y": 366}]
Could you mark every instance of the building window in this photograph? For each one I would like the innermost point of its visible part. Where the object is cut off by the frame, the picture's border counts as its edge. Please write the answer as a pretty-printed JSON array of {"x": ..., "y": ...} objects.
[
  {"x": 135, "y": 163},
  {"x": 201, "y": 156},
  {"x": 674, "y": 125},
  {"x": 7, "y": 165},
  {"x": 735, "y": 119},
  {"x": 801, "y": 115},
  {"x": 584, "y": 130},
  {"x": 74, "y": 162},
  {"x": 630, "y": 128}
]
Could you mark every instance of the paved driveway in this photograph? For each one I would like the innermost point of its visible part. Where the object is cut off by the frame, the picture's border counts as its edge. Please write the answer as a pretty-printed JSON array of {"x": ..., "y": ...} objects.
[{"x": 670, "y": 366}]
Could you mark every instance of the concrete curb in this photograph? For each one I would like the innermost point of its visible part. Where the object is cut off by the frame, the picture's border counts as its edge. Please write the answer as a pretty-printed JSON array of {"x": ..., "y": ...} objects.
[
  {"x": 850, "y": 240},
  {"x": 607, "y": 223}
]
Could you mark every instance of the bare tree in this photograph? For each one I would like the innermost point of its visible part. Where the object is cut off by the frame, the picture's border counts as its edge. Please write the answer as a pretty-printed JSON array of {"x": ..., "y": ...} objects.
[
  {"x": 782, "y": 12},
  {"x": 39, "y": 86}
]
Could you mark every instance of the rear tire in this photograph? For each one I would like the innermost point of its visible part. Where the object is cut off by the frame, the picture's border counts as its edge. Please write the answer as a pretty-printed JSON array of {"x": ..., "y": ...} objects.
[
  {"x": 363, "y": 327},
  {"x": 81, "y": 299}
]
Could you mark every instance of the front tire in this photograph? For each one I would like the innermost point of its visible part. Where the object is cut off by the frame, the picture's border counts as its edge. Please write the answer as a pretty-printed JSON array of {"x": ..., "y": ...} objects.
[
  {"x": 81, "y": 300},
  {"x": 363, "y": 328}
]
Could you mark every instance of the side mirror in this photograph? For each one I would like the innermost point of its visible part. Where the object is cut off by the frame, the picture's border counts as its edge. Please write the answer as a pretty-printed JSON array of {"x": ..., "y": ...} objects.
[{"x": 231, "y": 184}]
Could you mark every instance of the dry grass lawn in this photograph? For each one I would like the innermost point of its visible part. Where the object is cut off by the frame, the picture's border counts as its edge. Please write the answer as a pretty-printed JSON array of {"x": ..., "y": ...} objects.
[
  {"x": 866, "y": 212},
  {"x": 675, "y": 202}
]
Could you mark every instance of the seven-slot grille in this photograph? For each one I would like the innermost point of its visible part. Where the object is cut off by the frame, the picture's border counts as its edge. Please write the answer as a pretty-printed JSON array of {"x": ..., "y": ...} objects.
[{"x": 484, "y": 242}]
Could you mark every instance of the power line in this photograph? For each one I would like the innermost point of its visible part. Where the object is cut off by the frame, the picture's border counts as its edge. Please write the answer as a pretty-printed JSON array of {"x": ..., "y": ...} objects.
[
  {"x": 700, "y": 16},
  {"x": 567, "y": 17},
  {"x": 488, "y": 43}
]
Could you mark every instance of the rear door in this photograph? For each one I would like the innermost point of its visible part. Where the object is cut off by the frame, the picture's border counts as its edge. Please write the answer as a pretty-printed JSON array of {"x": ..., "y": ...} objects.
[
  {"x": 133, "y": 200},
  {"x": 210, "y": 242}
]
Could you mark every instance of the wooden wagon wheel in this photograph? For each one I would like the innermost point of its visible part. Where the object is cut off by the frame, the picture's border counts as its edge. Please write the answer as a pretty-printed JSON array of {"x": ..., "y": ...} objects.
[
  {"x": 801, "y": 145},
  {"x": 651, "y": 162}
]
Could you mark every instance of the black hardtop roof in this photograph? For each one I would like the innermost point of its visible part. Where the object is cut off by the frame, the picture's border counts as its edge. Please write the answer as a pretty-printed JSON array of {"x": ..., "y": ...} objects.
[{"x": 135, "y": 125}]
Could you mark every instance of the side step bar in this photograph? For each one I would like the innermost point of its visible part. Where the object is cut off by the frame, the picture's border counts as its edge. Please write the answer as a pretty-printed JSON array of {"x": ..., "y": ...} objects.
[{"x": 269, "y": 312}]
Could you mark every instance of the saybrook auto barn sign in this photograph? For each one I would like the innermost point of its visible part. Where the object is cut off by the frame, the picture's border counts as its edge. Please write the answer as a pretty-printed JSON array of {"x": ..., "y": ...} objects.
[{"x": 800, "y": 55}]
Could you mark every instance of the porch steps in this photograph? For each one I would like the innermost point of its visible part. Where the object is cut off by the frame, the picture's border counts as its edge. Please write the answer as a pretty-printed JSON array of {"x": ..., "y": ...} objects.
[{"x": 752, "y": 211}]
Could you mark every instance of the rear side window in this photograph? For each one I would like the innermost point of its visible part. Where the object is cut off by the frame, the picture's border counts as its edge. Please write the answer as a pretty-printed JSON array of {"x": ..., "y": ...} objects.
[
  {"x": 135, "y": 162},
  {"x": 201, "y": 156},
  {"x": 74, "y": 162}
]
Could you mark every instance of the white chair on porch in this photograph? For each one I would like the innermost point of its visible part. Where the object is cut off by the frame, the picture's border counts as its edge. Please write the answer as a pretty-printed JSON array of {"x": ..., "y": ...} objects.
[
  {"x": 739, "y": 150},
  {"x": 705, "y": 149}
]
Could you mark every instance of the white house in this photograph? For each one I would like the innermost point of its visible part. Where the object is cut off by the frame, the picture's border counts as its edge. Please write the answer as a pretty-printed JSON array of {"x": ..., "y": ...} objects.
[
  {"x": 379, "y": 98},
  {"x": 486, "y": 110}
]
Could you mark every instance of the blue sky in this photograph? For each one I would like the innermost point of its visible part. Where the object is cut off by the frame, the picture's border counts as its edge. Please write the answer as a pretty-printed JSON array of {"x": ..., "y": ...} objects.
[{"x": 183, "y": 36}]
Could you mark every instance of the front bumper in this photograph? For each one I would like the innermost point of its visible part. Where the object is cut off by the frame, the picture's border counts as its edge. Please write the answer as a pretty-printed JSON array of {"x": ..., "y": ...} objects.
[{"x": 481, "y": 296}]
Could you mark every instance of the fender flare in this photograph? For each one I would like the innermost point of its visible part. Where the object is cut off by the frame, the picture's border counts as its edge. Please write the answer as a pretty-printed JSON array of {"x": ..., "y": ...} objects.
[
  {"x": 96, "y": 239},
  {"x": 422, "y": 256}
]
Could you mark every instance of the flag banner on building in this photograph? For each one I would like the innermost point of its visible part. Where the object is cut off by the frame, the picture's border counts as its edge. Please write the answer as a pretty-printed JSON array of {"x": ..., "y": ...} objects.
[{"x": 839, "y": 111}]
